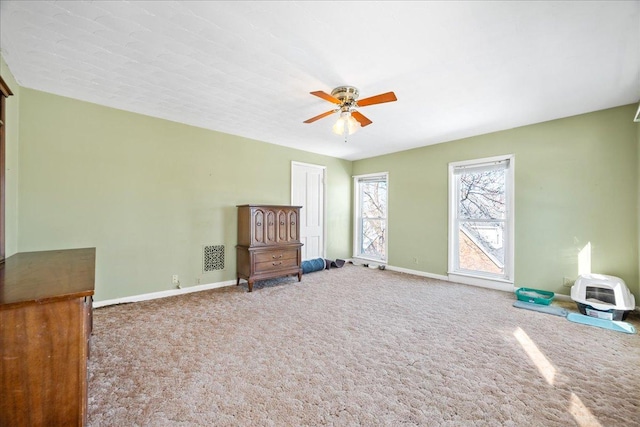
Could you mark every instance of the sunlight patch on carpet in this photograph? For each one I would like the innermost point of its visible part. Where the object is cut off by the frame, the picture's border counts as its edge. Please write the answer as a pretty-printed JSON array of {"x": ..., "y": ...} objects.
[
  {"x": 581, "y": 413},
  {"x": 542, "y": 363}
]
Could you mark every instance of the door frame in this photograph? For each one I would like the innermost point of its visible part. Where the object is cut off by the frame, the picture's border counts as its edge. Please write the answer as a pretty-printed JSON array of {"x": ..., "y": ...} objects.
[{"x": 324, "y": 199}]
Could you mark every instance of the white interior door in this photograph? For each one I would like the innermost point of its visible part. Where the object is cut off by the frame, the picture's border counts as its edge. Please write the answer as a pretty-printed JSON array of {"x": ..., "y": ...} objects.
[{"x": 307, "y": 190}]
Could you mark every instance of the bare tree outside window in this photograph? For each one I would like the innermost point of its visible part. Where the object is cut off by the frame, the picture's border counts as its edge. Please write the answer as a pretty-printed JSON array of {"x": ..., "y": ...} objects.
[
  {"x": 374, "y": 202},
  {"x": 482, "y": 195},
  {"x": 372, "y": 217},
  {"x": 481, "y": 216}
]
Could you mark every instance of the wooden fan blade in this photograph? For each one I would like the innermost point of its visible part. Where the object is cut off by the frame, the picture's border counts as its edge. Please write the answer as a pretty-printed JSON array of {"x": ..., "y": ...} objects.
[
  {"x": 326, "y": 97},
  {"x": 362, "y": 119},
  {"x": 378, "y": 99},
  {"x": 319, "y": 116}
]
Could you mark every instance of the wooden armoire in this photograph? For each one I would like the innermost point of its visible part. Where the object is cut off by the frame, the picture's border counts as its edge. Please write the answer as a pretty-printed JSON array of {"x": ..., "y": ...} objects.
[{"x": 268, "y": 242}]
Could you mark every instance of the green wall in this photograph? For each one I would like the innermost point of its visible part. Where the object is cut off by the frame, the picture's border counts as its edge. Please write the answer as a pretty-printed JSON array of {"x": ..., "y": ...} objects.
[
  {"x": 11, "y": 160},
  {"x": 576, "y": 181},
  {"x": 149, "y": 193}
]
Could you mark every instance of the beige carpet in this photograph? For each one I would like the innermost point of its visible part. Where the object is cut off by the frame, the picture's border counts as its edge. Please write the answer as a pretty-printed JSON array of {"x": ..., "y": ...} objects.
[{"x": 356, "y": 346}]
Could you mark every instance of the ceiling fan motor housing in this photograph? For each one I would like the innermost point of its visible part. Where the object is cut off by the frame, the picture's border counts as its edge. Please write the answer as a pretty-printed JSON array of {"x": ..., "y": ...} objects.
[{"x": 345, "y": 93}]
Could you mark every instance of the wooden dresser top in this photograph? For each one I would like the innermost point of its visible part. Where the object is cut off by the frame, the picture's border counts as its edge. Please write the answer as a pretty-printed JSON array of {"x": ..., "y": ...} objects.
[{"x": 30, "y": 277}]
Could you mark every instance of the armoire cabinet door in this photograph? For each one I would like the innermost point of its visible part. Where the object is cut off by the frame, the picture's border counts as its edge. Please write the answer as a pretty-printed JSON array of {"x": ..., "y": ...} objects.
[
  {"x": 282, "y": 226},
  {"x": 293, "y": 225},
  {"x": 271, "y": 226},
  {"x": 258, "y": 227}
]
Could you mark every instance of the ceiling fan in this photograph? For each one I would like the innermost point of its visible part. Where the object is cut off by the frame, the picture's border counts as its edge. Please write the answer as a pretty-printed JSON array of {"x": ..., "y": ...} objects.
[{"x": 346, "y": 97}]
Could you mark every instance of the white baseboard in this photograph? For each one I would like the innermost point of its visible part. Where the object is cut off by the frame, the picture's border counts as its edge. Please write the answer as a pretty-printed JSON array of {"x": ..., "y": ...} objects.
[
  {"x": 507, "y": 287},
  {"x": 417, "y": 273},
  {"x": 163, "y": 294},
  {"x": 563, "y": 297}
]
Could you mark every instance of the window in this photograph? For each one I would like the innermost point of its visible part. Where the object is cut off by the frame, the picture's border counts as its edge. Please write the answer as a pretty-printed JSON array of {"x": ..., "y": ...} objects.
[
  {"x": 370, "y": 240},
  {"x": 481, "y": 219}
]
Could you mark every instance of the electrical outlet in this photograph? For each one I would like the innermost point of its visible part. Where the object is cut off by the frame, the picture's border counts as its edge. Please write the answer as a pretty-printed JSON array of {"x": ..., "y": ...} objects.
[
  {"x": 567, "y": 282},
  {"x": 174, "y": 280},
  {"x": 415, "y": 260}
]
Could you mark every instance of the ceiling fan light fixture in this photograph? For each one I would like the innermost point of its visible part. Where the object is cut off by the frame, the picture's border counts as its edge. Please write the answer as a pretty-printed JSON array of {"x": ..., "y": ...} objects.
[
  {"x": 352, "y": 124},
  {"x": 338, "y": 127},
  {"x": 346, "y": 124}
]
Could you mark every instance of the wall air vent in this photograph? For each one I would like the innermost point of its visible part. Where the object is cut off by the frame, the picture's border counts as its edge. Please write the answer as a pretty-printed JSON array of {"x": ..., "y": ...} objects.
[{"x": 212, "y": 258}]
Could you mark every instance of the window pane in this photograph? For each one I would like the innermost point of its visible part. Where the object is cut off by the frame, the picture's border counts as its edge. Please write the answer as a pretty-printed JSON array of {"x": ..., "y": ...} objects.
[
  {"x": 373, "y": 196},
  {"x": 481, "y": 246},
  {"x": 371, "y": 221},
  {"x": 373, "y": 238},
  {"x": 482, "y": 194}
]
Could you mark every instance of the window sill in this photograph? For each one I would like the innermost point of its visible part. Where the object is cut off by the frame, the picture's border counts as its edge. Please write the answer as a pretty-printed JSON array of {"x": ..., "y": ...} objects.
[
  {"x": 366, "y": 260},
  {"x": 482, "y": 281}
]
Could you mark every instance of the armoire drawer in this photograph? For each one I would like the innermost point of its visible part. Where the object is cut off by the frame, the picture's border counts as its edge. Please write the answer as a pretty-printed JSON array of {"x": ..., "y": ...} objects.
[
  {"x": 275, "y": 265},
  {"x": 276, "y": 255}
]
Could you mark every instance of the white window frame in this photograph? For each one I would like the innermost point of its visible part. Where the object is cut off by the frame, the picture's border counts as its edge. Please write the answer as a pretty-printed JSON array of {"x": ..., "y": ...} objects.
[
  {"x": 504, "y": 281},
  {"x": 357, "y": 217}
]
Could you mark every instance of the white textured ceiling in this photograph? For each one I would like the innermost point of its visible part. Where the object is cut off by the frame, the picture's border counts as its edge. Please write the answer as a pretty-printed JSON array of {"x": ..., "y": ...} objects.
[{"x": 246, "y": 68}]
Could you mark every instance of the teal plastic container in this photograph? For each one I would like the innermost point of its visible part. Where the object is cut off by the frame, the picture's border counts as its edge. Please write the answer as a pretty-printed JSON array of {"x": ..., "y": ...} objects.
[{"x": 535, "y": 296}]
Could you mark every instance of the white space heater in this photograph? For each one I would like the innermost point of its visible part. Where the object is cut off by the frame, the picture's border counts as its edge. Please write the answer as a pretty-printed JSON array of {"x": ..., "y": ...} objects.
[{"x": 602, "y": 296}]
